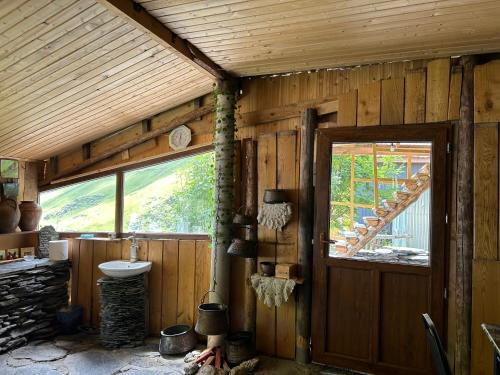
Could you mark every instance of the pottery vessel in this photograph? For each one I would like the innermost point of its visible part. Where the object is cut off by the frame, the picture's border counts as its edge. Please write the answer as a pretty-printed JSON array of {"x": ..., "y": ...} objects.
[
  {"x": 267, "y": 268},
  {"x": 275, "y": 196},
  {"x": 239, "y": 347},
  {"x": 9, "y": 215},
  {"x": 31, "y": 213},
  {"x": 243, "y": 248}
]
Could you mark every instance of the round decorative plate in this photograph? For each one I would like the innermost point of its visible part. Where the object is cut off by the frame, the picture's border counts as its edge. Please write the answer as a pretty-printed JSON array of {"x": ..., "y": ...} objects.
[{"x": 180, "y": 137}]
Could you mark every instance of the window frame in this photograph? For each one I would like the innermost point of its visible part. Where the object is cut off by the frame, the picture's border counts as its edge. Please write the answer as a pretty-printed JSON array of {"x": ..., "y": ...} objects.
[{"x": 119, "y": 172}]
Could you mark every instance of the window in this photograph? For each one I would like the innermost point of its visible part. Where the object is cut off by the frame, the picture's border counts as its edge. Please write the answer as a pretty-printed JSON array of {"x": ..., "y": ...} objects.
[
  {"x": 380, "y": 201},
  {"x": 84, "y": 207},
  {"x": 173, "y": 197}
]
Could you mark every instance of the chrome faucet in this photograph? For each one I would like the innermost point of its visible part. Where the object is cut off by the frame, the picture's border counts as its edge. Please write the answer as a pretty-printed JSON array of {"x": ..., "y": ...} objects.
[{"x": 133, "y": 248}]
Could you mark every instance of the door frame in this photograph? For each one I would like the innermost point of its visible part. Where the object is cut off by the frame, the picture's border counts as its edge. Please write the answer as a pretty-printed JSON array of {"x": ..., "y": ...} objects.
[{"x": 439, "y": 134}]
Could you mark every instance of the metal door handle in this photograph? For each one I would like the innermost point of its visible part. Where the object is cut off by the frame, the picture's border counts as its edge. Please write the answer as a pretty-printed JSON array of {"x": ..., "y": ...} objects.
[{"x": 323, "y": 241}]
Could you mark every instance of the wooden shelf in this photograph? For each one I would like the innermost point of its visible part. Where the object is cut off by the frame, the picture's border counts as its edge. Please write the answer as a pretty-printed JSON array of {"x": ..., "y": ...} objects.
[{"x": 18, "y": 239}]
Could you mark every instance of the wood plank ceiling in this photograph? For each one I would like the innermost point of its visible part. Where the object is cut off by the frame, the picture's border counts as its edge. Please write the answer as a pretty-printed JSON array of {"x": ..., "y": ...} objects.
[
  {"x": 252, "y": 37},
  {"x": 71, "y": 71}
]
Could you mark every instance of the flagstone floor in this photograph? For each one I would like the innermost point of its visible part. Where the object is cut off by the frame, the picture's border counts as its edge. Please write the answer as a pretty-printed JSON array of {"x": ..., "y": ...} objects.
[{"x": 82, "y": 355}]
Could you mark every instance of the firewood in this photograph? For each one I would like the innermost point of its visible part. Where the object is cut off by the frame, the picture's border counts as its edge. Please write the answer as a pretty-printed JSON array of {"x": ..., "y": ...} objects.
[
  {"x": 218, "y": 358},
  {"x": 209, "y": 361},
  {"x": 204, "y": 356}
]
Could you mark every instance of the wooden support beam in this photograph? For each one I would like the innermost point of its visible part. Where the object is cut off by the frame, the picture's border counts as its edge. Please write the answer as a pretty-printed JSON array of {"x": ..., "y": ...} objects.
[
  {"x": 250, "y": 165},
  {"x": 305, "y": 235},
  {"x": 177, "y": 121},
  {"x": 465, "y": 207},
  {"x": 142, "y": 20}
]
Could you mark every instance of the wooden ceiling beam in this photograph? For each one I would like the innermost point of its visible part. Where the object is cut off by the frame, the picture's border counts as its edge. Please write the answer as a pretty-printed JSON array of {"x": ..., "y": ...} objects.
[
  {"x": 142, "y": 20},
  {"x": 172, "y": 124}
]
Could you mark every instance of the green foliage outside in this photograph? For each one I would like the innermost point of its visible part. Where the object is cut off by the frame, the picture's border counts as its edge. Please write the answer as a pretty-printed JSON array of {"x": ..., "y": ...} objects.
[
  {"x": 188, "y": 207},
  {"x": 176, "y": 196},
  {"x": 340, "y": 185}
]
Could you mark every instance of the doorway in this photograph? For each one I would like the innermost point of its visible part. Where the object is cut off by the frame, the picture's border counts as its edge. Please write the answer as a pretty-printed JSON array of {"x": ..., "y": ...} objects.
[{"x": 379, "y": 246}]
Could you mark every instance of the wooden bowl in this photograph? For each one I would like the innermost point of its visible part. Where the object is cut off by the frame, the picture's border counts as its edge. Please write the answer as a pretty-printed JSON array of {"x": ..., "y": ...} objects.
[
  {"x": 372, "y": 221},
  {"x": 411, "y": 185},
  {"x": 380, "y": 212},
  {"x": 361, "y": 228},
  {"x": 390, "y": 204},
  {"x": 401, "y": 196}
]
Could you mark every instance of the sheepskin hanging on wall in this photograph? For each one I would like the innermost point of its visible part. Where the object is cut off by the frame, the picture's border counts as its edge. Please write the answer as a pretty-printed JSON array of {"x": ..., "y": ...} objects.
[
  {"x": 272, "y": 291},
  {"x": 274, "y": 216}
]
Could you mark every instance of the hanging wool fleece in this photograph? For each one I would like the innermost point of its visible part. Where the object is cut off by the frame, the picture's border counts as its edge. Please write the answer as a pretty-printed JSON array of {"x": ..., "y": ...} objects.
[
  {"x": 272, "y": 291},
  {"x": 274, "y": 216}
]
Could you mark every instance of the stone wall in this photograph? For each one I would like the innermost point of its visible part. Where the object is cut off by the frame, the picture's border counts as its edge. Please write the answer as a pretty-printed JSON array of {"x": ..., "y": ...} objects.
[{"x": 30, "y": 294}]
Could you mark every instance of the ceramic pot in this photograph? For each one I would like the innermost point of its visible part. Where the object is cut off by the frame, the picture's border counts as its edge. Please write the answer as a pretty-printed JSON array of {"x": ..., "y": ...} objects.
[
  {"x": 9, "y": 215},
  {"x": 267, "y": 268},
  {"x": 31, "y": 213}
]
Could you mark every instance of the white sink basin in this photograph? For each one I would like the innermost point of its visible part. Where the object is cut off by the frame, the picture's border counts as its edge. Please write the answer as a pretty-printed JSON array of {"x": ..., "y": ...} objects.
[{"x": 121, "y": 268}]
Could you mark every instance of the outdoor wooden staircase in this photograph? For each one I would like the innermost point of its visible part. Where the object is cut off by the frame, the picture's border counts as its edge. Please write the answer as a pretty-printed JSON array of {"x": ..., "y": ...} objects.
[{"x": 408, "y": 193}]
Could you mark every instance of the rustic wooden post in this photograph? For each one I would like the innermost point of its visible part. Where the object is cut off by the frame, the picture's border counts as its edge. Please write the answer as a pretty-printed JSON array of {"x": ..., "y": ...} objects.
[
  {"x": 224, "y": 189},
  {"x": 250, "y": 308},
  {"x": 305, "y": 235},
  {"x": 465, "y": 219}
]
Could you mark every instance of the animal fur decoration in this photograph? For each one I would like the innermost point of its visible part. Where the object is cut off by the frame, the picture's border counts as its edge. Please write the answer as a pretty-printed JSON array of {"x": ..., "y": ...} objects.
[
  {"x": 272, "y": 291},
  {"x": 274, "y": 216}
]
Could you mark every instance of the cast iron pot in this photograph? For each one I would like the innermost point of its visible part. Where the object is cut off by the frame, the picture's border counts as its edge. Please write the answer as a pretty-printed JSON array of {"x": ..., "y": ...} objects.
[
  {"x": 212, "y": 318},
  {"x": 275, "y": 196},
  {"x": 239, "y": 347},
  {"x": 267, "y": 268},
  {"x": 177, "y": 339}
]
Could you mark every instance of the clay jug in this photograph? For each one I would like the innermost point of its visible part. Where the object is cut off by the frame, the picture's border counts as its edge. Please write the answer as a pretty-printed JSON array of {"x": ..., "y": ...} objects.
[
  {"x": 9, "y": 215},
  {"x": 31, "y": 213}
]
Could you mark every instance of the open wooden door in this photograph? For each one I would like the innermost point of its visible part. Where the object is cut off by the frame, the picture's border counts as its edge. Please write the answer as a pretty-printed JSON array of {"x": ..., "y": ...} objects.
[{"x": 379, "y": 246}]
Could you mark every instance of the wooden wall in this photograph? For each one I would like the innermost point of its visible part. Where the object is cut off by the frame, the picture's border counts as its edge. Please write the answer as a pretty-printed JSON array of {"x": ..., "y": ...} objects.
[
  {"x": 179, "y": 277},
  {"x": 486, "y": 263},
  {"x": 382, "y": 94}
]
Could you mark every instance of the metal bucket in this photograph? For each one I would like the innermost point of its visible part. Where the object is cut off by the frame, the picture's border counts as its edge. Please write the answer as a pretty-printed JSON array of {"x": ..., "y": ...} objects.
[
  {"x": 177, "y": 339},
  {"x": 212, "y": 318},
  {"x": 243, "y": 248},
  {"x": 239, "y": 347}
]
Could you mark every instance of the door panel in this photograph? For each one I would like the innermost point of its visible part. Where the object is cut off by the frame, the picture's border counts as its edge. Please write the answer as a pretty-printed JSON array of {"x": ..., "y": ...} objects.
[
  {"x": 353, "y": 318},
  {"x": 370, "y": 287},
  {"x": 400, "y": 322}
]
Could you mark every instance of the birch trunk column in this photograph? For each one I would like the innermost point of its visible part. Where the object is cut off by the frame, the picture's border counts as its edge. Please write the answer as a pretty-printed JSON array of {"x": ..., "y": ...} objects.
[
  {"x": 224, "y": 189},
  {"x": 305, "y": 235}
]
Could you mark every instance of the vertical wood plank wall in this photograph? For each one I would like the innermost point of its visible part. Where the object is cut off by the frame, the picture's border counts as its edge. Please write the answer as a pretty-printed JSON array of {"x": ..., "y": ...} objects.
[
  {"x": 411, "y": 92},
  {"x": 486, "y": 262},
  {"x": 383, "y": 94},
  {"x": 177, "y": 281}
]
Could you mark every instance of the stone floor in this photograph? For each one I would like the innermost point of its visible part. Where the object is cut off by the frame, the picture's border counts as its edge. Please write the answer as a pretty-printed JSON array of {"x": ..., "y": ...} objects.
[{"x": 82, "y": 355}]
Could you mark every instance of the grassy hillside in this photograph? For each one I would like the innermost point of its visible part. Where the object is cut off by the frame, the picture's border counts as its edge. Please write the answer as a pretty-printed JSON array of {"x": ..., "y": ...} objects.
[{"x": 90, "y": 206}]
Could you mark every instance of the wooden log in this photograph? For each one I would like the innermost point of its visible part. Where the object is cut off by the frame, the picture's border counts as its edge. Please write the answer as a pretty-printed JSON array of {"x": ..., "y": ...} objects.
[
  {"x": 177, "y": 121},
  {"x": 465, "y": 219},
  {"x": 250, "y": 306},
  {"x": 224, "y": 190},
  {"x": 305, "y": 235}
]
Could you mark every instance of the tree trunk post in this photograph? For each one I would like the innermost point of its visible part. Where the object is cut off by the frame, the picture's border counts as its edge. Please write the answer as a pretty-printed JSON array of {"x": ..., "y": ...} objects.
[
  {"x": 465, "y": 219},
  {"x": 224, "y": 189},
  {"x": 305, "y": 235},
  {"x": 250, "y": 307}
]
